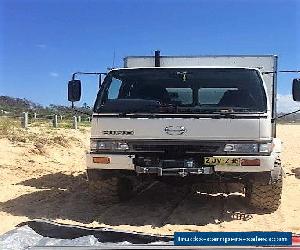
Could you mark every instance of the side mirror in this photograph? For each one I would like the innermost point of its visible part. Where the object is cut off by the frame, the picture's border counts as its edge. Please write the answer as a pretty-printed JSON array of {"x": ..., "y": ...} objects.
[
  {"x": 296, "y": 90},
  {"x": 74, "y": 90}
]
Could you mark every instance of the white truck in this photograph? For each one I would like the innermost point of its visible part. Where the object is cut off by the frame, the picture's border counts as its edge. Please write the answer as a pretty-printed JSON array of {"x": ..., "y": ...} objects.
[{"x": 187, "y": 120}]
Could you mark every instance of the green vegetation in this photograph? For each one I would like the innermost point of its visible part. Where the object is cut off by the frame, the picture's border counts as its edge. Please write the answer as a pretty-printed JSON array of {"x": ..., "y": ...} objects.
[
  {"x": 11, "y": 112},
  {"x": 14, "y": 107},
  {"x": 11, "y": 129},
  {"x": 39, "y": 134}
]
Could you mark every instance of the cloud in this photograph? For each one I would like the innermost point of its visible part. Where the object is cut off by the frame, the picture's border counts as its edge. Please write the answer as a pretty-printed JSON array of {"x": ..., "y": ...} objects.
[
  {"x": 286, "y": 104},
  {"x": 54, "y": 74},
  {"x": 41, "y": 46}
]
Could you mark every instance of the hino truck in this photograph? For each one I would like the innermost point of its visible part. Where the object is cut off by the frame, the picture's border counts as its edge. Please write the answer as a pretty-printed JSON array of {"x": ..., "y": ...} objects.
[{"x": 186, "y": 120}]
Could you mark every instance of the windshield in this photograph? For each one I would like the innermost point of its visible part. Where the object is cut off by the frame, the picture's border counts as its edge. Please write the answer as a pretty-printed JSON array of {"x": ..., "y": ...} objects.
[{"x": 162, "y": 90}]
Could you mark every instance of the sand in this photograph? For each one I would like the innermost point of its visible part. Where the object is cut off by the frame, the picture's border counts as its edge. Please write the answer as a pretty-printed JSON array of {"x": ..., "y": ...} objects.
[{"x": 47, "y": 181}]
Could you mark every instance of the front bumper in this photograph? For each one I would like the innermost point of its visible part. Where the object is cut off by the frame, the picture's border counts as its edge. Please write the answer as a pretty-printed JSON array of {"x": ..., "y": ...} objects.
[
  {"x": 126, "y": 162},
  {"x": 182, "y": 172}
]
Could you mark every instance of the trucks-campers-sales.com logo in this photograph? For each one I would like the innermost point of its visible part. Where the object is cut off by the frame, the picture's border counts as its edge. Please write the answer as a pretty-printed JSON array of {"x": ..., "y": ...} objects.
[{"x": 235, "y": 239}]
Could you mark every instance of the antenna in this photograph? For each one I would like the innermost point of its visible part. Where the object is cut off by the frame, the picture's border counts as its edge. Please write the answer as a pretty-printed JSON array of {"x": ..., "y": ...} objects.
[{"x": 114, "y": 56}]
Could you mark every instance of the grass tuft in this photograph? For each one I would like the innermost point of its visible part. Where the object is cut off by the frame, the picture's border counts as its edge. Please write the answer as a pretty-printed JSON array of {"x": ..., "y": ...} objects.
[{"x": 11, "y": 129}]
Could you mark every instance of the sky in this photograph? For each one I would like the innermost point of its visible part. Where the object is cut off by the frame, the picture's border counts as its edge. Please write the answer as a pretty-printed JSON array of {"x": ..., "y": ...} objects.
[{"x": 43, "y": 42}]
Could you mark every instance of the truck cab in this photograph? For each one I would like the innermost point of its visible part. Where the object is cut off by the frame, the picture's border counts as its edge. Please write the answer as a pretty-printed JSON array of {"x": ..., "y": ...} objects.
[{"x": 188, "y": 120}]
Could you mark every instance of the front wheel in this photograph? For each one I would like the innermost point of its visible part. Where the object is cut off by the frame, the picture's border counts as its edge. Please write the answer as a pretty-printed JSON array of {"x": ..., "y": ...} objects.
[{"x": 264, "y": 196}]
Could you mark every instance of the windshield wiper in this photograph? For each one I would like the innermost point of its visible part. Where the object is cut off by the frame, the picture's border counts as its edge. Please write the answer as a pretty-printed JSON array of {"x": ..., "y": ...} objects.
[
  {"x": 228, "y": 110},
  {"x": 224, "y": 115},
  {"x": 222, "y": 112},
  {"x": 235, "y": 109},
  {"x": 203, "y": 111}
]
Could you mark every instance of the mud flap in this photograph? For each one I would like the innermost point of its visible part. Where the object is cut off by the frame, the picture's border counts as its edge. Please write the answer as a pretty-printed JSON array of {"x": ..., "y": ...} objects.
[{"x": 277, "y": 173}]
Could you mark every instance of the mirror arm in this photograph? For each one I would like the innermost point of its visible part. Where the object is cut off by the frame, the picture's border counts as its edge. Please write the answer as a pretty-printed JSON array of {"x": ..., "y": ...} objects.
[
  {"x": 290, "y": 113},
  {"x": 99, "y": 74},
  {"x": 87, "y": 73},
  {"x": 99, "y": 81},
  {"x": 280, "y": 71}
]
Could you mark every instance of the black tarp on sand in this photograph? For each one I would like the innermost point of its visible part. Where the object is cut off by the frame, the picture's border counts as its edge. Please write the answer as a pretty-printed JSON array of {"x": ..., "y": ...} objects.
[{"x": 45, "y": 233}]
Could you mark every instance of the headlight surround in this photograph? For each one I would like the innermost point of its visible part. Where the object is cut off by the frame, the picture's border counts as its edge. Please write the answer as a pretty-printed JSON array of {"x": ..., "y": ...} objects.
[
  {"x": 241, "y": 148},
  {"x": 249, "y": 148},
  {"x": 266, "y": 147},
  {"x": 109, "y": 145}
]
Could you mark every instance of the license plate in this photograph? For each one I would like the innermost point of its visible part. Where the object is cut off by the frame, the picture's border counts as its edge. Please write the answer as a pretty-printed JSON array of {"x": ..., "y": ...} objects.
[{"x": 209, "y": 161}]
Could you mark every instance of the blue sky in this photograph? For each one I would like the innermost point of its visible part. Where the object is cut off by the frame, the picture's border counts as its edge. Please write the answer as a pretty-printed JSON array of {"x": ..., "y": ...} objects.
[{"x": 43, "y": 42}]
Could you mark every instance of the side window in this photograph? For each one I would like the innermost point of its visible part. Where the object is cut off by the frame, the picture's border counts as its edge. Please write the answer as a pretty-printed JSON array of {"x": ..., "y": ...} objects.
[
  {"x": 114, "y": 88},
  {"x": 212, "y": 96}
]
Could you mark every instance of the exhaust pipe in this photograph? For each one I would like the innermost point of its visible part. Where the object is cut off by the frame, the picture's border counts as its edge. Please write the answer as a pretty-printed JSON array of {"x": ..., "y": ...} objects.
[{"x": 157, "y": 58}]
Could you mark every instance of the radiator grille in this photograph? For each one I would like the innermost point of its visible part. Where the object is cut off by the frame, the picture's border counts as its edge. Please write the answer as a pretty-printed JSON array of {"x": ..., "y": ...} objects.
[{"x": 176, "y": 148}]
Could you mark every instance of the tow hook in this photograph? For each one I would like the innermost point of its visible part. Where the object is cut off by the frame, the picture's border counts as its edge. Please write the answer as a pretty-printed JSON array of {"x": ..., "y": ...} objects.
[{"x": 182, "y": 173}]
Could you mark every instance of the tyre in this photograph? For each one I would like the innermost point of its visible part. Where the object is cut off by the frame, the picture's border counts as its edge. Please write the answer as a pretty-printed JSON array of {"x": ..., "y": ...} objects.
[
  {"x": 265, "y": 196},
  {"x": 110, "y": 189}
]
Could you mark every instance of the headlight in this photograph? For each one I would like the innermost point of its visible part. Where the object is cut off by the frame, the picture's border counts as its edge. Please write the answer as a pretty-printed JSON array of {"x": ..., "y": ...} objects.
[
  {"x": 249, "y": 148},
  {"x": 266, "y": 147},
  {"x": 121, "y": 146},
  {"x": 241, "y": 148},
  {"x": 109, "y": 145},
  {"x": 93, "y": 144}
]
